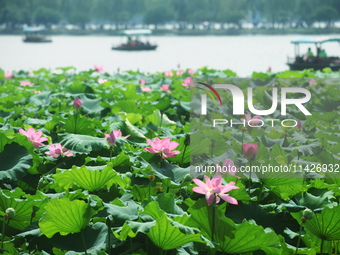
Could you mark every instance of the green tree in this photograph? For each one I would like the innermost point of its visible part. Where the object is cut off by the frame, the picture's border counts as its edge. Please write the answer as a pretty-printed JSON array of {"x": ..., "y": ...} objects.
[
  {"x": 198, "y": 11},
  {"x": 181, "y": 12},
  {"x": 79, "y": 18},
  {"x": 325, "y": 13},
  {"x": 231, "y": 12},
  {"x": 81, "y": 12},
  {"x": 46, "y": 16},
  {"x": 304, "y": 11},
  {"x": 157, "y": 15}
]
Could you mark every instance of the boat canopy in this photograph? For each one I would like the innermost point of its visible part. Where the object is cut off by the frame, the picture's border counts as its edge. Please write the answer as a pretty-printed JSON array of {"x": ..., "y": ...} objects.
[
  {"x": 33, "y": 29},
  {"x": 136, "y": 32},
  {"x": 316, "y": 40}
]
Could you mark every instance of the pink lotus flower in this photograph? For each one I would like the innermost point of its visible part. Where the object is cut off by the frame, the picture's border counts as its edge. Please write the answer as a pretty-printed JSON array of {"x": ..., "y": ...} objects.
[
  {"x": 101, "y": 81},
  {"x": 299, "y": 125},
  {"x": 76, "y": 103},
  {"x": 9, "y": 75},
  {"x": 253, "y": 121},
  {"x": 269, "y": 69},
  {"x": 191, "y": 72},
  {"x": 227, "y": 167},
  {"x": 165, "y": 87},
  {"x": 213, "y": 189},
  {"x": 142, "y": 81},
  {"x": 163, "y": 147},
  {"x": 312, "y": 82},
  {"x": 250, "y": 150},
  {"x": 57, "y": 150},
  {"x": 145, "y": 89},
  {"x": 99, "y": 68},
  {"x": 188, "y": 83},
  {"x": 117, "y": 134},
  {"x": 26, "y": 83},
  {"x": 169, "y": 73},
  {"x": 111, "y": 138},
  {"x": 179, "y": 72},
  {"x": 37, "y": 91},
  {"x": 34, "y": 137}
]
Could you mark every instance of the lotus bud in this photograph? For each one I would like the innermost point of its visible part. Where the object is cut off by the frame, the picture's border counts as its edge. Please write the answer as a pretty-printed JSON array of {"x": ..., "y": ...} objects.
[
  {"x": 250, "y": 150},
  {"x": 76, "y": 103},
  {"x": 10, "y": 213},
  {"x": 308, "y": 214},
  {"x": 299, "y": 125},
  {"x": 111, "y": 139}
]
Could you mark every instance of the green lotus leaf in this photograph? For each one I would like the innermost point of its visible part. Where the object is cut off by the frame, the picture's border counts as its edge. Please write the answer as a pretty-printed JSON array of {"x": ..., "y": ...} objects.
[
  {"x": 250, "y": 237},
  {"x": 17, "y": 157},
  {"x": 95, "y": 236},
  {"x": 79, "y": 124},
  {"x": 88, "y": 179},
  {"x": 167, "y": 237},
  {"x": 252, "y": 211},
  {"x": 90, "y": 105},
  {"x": 79, "y": 87},
  {"x": 119, "y": 211},
  {"x": 9, "y": 249},
  {"x": 127, "y": 129},
  {"x": 167, "y": 170},
  {"x": 167, "y": 202},
  {"x": 65, "y": 217},
  {"x": 23, "y": 207},
  {"x": 202, "y": 218},
  {"x": 324, "y": 225},
  {"x": 308, "y": 149},
  {"x": 82, "y": 143},
  {"x": 159, "y": 120},
  {"x": 132, "y": 228},
  {"x": 15, "y": 162},
  {"x": 314, "y": 201}
]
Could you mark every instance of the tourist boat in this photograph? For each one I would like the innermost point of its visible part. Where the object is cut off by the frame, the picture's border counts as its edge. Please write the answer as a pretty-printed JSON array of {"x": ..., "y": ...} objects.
[
  {"x": 133, "y": 43},
  {"x": 316, "y": 62},
  {"x": 35, "y": 35}
]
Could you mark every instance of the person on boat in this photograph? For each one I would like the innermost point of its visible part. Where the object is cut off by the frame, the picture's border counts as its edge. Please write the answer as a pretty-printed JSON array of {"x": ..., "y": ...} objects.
[
  {"x": 309, "y": 55},
  {"x": 323, "y": 54},
  {"x": 129, "y": 40}
]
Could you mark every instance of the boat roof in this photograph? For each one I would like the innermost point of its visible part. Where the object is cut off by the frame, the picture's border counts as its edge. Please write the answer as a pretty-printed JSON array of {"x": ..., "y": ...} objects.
[
  {"x": 322, "y": 39},
  {"x": 33, "y": 29},
  {"x": 136, "y": 32}
]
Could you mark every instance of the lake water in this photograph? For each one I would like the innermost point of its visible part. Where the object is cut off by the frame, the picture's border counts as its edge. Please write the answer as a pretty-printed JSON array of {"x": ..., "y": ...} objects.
[{"x": 242, "y": 54}]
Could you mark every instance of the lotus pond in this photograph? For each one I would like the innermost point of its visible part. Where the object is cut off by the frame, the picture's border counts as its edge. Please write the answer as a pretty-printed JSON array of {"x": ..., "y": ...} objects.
[{"x": 98, "y": 163}]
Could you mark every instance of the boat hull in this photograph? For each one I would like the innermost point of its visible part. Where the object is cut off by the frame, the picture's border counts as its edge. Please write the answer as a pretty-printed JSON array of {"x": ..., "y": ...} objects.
[
  {"x": 135, "y": 48},
  {"x": 37, "y": 40},
  {"x": 299, "y": 64}
]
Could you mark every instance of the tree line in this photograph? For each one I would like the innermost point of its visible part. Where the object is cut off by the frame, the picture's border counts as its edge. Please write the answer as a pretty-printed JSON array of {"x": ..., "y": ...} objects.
[{"x": 184, "y": 13}]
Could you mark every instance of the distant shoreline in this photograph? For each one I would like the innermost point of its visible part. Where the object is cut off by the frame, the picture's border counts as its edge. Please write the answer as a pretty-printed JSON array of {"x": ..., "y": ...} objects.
[{"x": 166, "y": 32}]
